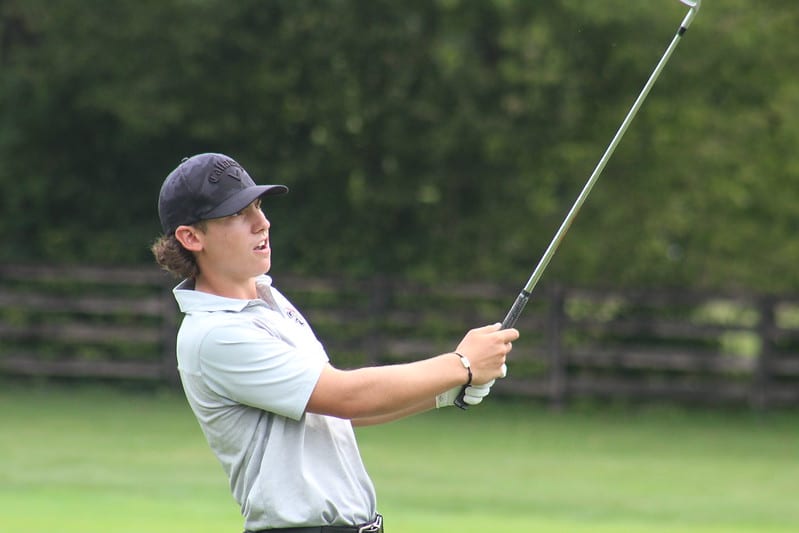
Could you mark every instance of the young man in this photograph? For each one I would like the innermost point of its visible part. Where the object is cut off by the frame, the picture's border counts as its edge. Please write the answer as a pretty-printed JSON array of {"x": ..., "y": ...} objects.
[{"x": 275, "y": 412}]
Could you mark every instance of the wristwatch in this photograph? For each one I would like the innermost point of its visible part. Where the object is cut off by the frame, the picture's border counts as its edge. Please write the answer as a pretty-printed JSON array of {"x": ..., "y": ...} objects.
[{"x": 467, "y": 365}]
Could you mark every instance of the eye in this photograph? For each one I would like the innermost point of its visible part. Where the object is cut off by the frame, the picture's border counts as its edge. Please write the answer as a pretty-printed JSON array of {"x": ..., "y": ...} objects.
[{"x": 255, "y": 205}]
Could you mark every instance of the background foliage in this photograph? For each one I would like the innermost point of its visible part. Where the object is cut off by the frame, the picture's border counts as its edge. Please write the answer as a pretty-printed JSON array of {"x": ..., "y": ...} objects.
[{"x": 427, "y": 138}]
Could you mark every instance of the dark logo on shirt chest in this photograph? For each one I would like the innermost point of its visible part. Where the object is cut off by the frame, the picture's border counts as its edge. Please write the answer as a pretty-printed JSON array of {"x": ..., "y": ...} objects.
[{"x": 294, "y": 315}]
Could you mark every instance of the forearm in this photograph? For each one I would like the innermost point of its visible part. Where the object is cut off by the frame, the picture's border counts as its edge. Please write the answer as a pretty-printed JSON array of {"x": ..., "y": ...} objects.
[
  {"x": 385, "y": 391},
  {"x": 396, "y": 415}
]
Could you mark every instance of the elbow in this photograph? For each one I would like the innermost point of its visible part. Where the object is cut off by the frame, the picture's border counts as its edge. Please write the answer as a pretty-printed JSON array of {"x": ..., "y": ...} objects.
[
  {"x": 343, "y": 394},
  {"x": 345, "y": 406}
]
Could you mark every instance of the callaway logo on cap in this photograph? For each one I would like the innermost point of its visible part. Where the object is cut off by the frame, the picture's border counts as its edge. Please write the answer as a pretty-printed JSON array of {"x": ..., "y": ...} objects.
[{"x": 207, "y": 186}]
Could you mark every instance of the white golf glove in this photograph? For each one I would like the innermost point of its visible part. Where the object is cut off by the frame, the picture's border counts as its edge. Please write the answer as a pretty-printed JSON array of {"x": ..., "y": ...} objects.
[{"x": 473, "y": 395}]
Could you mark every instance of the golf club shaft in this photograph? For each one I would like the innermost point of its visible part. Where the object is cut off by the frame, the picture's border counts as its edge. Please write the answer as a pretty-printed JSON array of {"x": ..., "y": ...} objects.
[{"x": 524, "y": 296}]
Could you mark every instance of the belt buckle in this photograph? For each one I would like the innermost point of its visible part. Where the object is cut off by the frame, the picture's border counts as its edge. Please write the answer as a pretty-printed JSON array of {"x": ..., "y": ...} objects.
[{"x": 374, "y": 527}]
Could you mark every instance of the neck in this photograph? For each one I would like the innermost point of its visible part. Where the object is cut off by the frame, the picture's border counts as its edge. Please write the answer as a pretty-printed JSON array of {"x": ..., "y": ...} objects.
[{"x": 242, "y": 290}]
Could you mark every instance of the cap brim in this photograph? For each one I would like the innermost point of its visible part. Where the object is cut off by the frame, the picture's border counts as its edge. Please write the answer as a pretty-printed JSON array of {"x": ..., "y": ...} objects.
[{"x": 243, "y": 198}]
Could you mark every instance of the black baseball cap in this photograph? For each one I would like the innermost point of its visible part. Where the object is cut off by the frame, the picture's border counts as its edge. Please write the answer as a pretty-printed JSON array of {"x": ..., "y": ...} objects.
[{"x": 207, "y": 186}]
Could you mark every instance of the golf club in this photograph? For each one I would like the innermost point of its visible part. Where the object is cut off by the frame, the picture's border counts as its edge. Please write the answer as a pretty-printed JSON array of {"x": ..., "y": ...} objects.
[{"x": 524, "y": 295}]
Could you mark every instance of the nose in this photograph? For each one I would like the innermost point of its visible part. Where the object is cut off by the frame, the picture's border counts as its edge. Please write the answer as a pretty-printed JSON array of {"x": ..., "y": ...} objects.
[{"x": 261, "y": 222}]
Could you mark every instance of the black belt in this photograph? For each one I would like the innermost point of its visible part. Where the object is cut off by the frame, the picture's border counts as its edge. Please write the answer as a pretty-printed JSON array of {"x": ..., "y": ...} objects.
[{"x": 375, "y": 526}]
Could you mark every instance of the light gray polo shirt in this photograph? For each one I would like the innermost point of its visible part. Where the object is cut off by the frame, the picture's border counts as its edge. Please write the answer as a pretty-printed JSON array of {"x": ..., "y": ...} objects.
[{"x": 248, "y": 369}]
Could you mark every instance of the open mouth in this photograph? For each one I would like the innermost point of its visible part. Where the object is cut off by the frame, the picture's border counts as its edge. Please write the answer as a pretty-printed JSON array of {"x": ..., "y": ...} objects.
[{"x": 263, "y": 245}]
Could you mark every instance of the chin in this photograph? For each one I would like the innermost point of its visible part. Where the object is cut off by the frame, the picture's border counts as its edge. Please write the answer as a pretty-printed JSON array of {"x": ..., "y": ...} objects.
[{"x": 266, "y": 267}]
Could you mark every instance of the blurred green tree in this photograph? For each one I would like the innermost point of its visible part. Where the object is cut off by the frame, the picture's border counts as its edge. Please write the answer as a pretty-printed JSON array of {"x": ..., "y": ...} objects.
[{"x": 429, "y": 139}]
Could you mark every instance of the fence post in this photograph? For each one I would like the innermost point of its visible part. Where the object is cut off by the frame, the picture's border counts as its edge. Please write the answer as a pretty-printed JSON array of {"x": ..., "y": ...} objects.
[
  {"x": 380, "y": 294},
  {"x": 759, "y": 393},
  {"x": 557, "y": 365}
]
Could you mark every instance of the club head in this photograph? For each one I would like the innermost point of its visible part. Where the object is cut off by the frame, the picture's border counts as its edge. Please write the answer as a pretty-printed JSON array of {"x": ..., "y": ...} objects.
[{"x": 694, "y": 5}]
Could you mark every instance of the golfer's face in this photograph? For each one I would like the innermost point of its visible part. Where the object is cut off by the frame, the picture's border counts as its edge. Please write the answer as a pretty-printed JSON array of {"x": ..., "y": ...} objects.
[{"x": 238, "y": 245}]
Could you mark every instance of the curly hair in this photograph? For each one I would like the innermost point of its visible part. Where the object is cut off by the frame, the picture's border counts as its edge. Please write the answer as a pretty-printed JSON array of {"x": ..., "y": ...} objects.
[{"x": 174, "y": 258}]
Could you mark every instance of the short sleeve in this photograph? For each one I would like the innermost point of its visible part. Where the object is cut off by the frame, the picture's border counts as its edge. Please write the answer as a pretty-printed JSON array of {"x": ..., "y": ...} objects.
[{"x": 253, "y": 367}]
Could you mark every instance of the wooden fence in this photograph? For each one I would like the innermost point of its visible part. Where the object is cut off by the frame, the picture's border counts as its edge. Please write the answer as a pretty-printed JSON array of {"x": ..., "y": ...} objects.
[
  {"x": 86, "y": 322},
  {"x": 731, "y": 348}
]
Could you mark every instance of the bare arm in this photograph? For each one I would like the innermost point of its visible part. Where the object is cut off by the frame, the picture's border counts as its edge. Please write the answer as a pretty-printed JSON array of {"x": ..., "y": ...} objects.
[
  {"x": 380, "y": 394},
  {"x": 396, "y": 415},
  {"x": 382, "y": 390}
]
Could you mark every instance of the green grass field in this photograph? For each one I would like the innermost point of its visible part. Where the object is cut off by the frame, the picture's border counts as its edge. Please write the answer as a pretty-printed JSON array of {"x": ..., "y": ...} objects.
[{"x": 87, "y": 460}]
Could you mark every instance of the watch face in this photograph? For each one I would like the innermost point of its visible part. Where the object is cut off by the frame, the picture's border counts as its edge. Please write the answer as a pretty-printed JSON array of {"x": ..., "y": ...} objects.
[{"x": 467, "y": 366}]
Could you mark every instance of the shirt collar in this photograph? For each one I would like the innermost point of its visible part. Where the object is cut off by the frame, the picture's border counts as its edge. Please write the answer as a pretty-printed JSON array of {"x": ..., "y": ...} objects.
[{"x": 192, "y": 301}]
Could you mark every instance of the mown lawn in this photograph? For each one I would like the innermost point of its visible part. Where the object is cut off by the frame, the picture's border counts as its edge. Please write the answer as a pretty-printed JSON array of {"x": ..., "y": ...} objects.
[{"x": 93, "y": 459}]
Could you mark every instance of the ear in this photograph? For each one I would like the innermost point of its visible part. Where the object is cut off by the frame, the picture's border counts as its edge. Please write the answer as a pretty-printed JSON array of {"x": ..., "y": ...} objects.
[{"x": 190, "y": 237}]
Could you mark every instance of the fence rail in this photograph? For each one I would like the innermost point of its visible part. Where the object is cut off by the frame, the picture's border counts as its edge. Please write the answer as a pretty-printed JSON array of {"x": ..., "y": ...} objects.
[
  {"x": 84, "y": 321},
  {"x": 724, "y": 348}
]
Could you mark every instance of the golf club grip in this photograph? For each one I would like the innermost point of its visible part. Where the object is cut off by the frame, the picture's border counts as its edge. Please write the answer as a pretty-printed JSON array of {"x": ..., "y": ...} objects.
[
  {"x": 510, "y": 321},
  {"x": 516, "y": 310}
]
